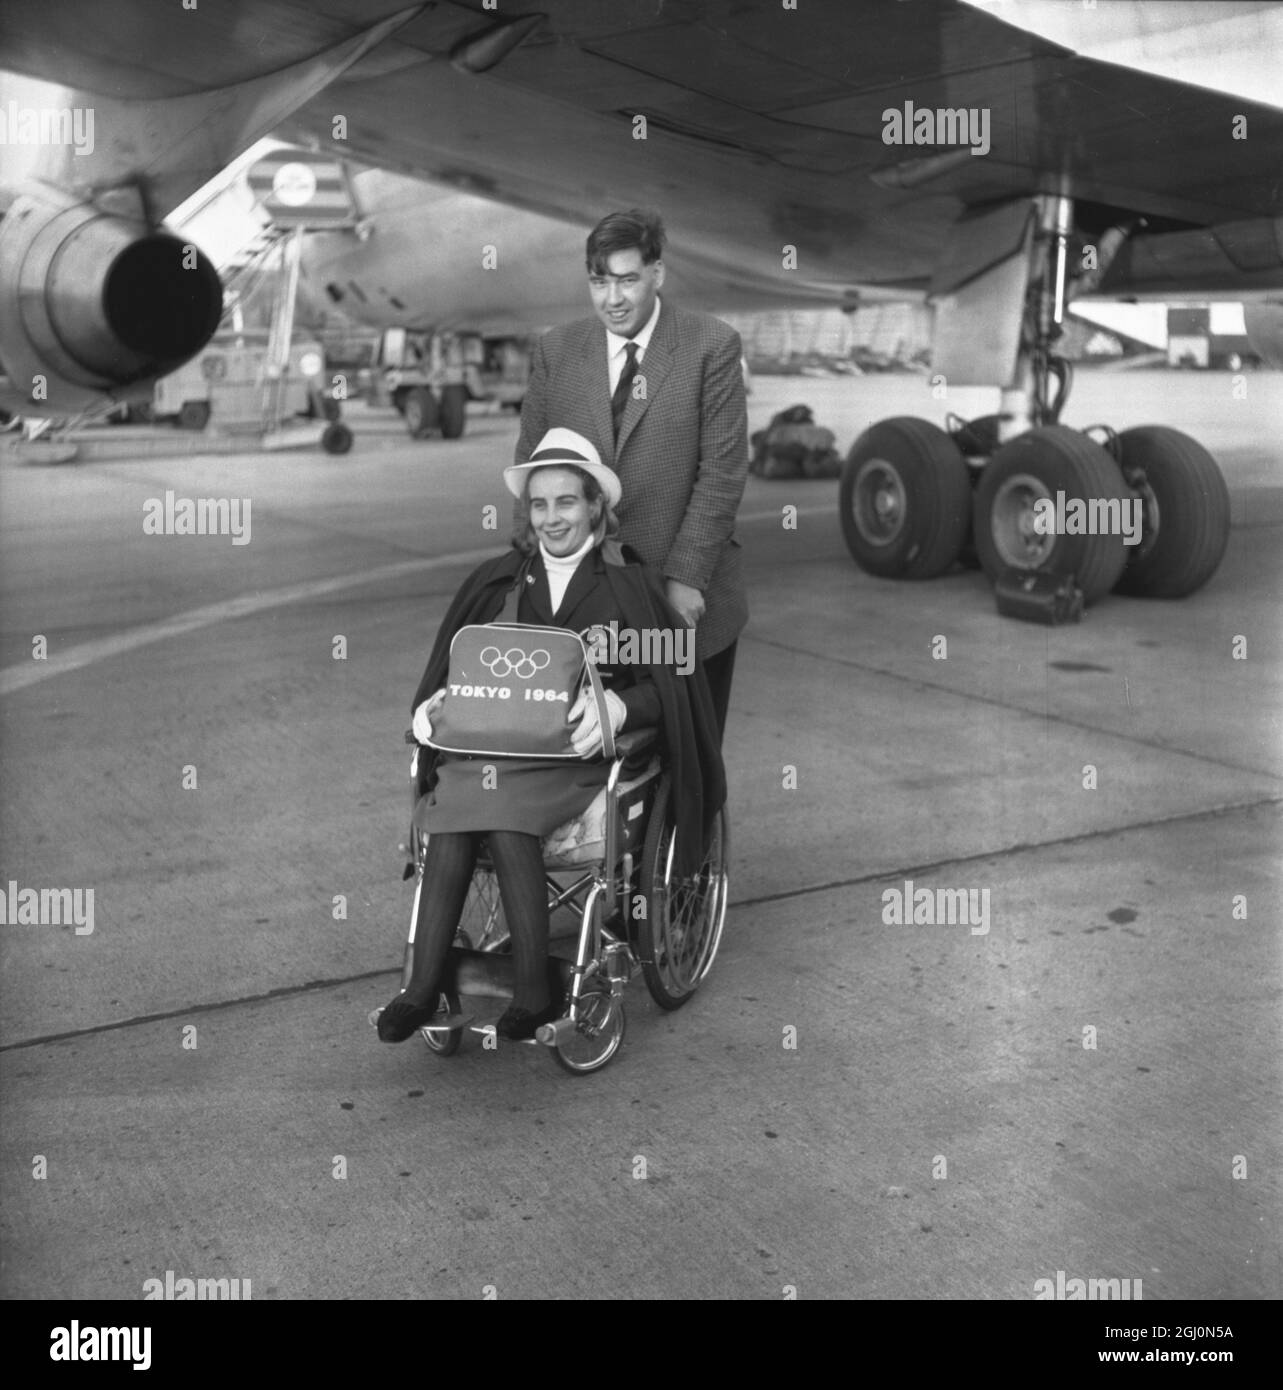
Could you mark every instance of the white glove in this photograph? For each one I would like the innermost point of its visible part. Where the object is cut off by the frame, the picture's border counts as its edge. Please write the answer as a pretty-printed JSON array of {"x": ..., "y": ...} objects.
[
  {"x": 422, "y": 725},
  {"x": 586, "y": 739}
]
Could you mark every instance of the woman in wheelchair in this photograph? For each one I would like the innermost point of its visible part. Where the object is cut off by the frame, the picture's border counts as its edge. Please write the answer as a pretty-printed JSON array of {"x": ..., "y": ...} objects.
[{"x": 566, "y": 569}]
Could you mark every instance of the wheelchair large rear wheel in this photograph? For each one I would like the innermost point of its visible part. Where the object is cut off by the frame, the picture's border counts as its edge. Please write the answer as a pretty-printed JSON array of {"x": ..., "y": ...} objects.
[{"x": 682, "y": 929}]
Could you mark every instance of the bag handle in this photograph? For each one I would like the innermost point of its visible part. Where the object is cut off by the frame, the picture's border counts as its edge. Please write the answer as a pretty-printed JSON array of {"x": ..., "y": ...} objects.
[{"x": 603, "y": 711}]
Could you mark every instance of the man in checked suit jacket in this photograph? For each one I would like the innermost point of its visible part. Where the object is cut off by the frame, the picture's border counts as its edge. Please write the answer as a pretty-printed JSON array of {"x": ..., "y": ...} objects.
[{"x": 669, "y": 416}]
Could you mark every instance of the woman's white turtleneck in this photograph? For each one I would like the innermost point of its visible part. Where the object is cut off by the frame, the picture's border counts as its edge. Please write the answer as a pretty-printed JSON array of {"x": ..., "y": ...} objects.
[{"x": 560, "y": 569}]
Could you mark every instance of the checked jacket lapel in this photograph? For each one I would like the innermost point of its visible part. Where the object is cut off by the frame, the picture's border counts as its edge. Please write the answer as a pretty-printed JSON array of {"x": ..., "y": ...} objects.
[
  {"x": 597, "y": 389},
  {"x": 653, "y": 368}
]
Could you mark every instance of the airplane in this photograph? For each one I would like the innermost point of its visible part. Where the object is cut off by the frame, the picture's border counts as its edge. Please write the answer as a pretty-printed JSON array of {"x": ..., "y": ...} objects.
[
  {"x": 848, "y": 148},
  {"x": 385, "y": 274}
]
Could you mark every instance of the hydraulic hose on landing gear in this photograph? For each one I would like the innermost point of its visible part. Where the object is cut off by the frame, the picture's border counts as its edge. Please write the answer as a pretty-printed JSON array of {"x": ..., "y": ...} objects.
[
  {"x": 1049, "y": 313},
  {"x": 1050, "y": 408}
]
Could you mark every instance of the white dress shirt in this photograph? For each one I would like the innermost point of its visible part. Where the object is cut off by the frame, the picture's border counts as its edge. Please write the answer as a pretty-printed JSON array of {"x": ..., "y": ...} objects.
[{"x": 617, "y": 347}]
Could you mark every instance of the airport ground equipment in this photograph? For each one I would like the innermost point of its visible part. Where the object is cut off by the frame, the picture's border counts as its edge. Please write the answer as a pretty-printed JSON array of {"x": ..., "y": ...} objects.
[
  {"x": 429, "y": 378},
  {"x": 227, "y": 387},
  {"x": 617, "y": 910},
  {"x": 915, "y": 498},
  {"x": 1038, "y": 597},
  {"x": 299, "y": 191}
]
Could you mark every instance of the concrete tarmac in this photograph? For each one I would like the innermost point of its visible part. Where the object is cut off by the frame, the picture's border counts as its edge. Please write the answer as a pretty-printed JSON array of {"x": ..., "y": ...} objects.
[{"x": 1090, "y": 1085}]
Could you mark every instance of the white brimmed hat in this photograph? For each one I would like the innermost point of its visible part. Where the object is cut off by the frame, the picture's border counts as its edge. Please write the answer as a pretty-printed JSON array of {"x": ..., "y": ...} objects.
[{"x": 561, "y": 446}]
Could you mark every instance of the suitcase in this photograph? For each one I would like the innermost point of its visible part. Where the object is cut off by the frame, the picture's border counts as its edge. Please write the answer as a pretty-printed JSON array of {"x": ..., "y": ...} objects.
[{"x": 1038, "y": 597}]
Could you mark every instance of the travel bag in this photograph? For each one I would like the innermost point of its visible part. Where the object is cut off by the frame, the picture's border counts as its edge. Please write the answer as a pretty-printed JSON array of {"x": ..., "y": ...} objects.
[{"x": 509, "y": 689}]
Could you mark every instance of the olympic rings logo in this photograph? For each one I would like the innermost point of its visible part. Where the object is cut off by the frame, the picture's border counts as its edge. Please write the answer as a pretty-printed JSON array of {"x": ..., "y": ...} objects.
[{"x": 514, "y": 659}]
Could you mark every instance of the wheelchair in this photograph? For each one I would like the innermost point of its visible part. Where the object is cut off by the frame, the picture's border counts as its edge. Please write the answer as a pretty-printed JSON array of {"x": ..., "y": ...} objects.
[{"x": 617, "y": 909}]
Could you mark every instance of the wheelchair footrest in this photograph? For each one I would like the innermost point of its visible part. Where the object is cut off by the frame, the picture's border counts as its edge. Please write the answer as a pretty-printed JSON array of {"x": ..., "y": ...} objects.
[
  {"x": 488, "y": 1030},
  {"x": 550, "y": 1034},
  {"x": 447, "y": 1023}
]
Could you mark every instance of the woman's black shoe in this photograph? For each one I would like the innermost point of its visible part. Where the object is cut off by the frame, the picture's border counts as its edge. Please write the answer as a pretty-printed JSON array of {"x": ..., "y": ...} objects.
[
  {"x": 516, "y": 1025},
  {"x": 401, "y": 1019}
]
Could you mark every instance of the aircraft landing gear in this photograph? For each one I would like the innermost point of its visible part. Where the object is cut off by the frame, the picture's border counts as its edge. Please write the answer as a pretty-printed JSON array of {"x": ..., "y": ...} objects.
[
  {"x": 909, "y": 510},
  {"x": 1185, "y": 512},
  {"x": 1038, "y": 467},
  {"x": 905, "y": 499}
]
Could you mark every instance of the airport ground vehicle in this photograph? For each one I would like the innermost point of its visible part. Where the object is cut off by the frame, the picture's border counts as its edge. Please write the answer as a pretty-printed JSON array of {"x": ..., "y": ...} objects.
[
  {"x": 227, "y": 385},
  {"x": 431, "y": 377},
  {"x": 617, "y": 909}
]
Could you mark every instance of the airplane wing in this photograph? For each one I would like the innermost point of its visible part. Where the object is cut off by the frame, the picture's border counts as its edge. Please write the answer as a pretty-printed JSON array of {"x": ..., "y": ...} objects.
[
  {"x": 754, "y": 127},
  {"x": 848, "y": 149},
  {"x": 767, "y": 128}
]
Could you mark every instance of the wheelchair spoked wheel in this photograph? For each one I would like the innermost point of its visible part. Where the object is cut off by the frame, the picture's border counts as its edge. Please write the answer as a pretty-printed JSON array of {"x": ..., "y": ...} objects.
[
  {"x": 444, "y": 1044},
  {"x": 682, "y": 929},
  {"x": 600, "y": 1031}
]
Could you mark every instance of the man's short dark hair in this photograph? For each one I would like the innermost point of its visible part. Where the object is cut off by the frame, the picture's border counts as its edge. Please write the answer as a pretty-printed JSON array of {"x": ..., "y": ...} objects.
[{"x": 621, "y": 231}]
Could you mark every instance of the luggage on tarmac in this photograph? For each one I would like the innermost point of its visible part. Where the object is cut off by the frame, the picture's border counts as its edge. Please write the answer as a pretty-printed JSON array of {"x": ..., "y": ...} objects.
[
  {"x": 1038, "y": 597},
  {"x": 794, "y": 446}
]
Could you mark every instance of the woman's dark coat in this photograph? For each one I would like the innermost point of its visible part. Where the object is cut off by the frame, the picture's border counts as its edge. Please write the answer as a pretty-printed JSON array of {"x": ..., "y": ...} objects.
[{"x": 692, "y": 749}]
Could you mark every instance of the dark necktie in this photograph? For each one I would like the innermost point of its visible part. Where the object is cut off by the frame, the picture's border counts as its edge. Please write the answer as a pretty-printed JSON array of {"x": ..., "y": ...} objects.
[{"x": 620, "y": 397}]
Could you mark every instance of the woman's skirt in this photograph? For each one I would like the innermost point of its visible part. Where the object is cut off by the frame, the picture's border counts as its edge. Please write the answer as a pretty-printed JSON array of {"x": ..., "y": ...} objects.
[{"x": 526, "y": 794}]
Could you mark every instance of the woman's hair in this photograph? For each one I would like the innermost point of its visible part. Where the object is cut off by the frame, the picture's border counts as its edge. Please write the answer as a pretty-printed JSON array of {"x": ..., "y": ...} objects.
[{"x": 523, "y": 535}]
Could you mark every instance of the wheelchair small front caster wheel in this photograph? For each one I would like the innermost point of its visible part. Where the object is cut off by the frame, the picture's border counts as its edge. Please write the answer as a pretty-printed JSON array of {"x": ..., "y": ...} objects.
[
  {"x": 444, "y": 1042},
  {"x": 599, "y": 1032}
]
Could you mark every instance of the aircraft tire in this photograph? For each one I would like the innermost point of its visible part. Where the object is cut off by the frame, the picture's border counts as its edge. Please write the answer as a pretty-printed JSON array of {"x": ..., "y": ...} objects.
[
  {"x": 904, "y": 499},
  {"x": 1185, "y": 519},
  {"x": 194, "y": 415},
  {"x": 454, "y": 411},
  {"x": 1035, "y": 466},
  {"x": 337, "y": 438},
  {"x": 419, "y": 406}
]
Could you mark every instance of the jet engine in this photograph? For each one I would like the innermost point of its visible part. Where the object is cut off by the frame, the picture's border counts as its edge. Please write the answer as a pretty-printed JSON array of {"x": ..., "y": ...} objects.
[{"x": 94, "y": 306}]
